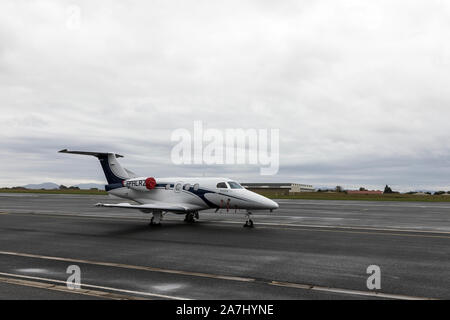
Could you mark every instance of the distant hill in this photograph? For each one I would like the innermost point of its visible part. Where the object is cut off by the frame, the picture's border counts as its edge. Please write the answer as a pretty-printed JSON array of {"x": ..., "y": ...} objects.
[
  {"x": 90, "y": 186},
  {"x": 45, "y": 185},
  {"x": 51, "y": 185}
]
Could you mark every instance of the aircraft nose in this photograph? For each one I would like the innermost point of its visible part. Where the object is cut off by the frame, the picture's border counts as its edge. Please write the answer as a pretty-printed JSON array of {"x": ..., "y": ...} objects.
[
  {"x": 260, "y": 202},
  {"x": 269, "y": 204},
  {"x": 273, "y": 205}
]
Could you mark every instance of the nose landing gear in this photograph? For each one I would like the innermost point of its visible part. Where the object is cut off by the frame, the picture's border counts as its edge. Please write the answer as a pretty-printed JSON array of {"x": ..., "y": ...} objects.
[{"x": 248, "y": 222}]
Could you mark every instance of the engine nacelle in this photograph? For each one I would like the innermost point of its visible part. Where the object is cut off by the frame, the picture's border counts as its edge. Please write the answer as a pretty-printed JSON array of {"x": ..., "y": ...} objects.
[{"x": 140, "y": 184}]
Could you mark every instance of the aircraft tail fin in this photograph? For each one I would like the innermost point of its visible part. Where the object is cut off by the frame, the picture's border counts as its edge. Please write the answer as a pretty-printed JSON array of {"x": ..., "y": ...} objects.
[
  {"x": 131, "y": 174},
  {"x": 114, "y": 172}
]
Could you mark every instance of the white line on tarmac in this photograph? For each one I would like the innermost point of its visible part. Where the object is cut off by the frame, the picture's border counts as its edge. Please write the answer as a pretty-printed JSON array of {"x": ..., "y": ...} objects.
[
  {"x": 96, "y": 287},
  {"x": 338, "y": 227},
  {"x": 354, "y": 227},
  {"x": 128, "y": 266},
  {"x": 240, "y": 279},
  {"x": 404, "y": 204},
  {"x": 348, "y": 291}
]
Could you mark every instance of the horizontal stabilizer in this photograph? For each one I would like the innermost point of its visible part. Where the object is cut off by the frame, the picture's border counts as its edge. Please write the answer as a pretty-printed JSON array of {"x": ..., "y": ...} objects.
[
  {"x": 90, "y": 153},
  {"x": 114, "y": 172}
]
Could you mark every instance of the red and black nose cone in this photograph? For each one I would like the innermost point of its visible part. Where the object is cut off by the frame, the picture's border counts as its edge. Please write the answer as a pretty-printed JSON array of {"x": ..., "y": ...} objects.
[{"x": 150, "y": 183}]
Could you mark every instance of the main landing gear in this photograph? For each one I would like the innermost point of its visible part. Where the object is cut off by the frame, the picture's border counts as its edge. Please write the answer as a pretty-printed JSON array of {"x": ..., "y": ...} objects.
[
  {"x": 191, "y": 216},
  {"x": 248, "y": 222},
  {"x": 156, "y": 219}
]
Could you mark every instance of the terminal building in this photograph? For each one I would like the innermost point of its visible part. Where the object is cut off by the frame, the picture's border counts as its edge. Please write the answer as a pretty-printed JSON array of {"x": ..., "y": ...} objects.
[{"x": 278, "y": 188}]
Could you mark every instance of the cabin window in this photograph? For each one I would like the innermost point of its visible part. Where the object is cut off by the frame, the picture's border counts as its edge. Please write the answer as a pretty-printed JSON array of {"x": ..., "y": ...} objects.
[
  {"x": 168, "y": 186},
  {"x": 187, "y": 186},
  {"x": 178, "y": 187},
  {"x": 222, "y": 185},
  {"x": 196, "y": 186},
  {"x": 234, "y": 185}
]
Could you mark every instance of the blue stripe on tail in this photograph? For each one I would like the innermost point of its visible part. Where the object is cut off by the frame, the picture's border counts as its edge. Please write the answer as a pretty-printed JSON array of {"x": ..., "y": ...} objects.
[{"x": 110, "y": 176}]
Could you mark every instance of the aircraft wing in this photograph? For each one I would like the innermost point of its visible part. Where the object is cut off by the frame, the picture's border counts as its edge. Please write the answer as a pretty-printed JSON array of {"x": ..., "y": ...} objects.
[{"x": 149, "y": 206}]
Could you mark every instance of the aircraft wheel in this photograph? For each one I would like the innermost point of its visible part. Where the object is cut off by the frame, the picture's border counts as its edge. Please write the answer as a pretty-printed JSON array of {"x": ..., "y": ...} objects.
[
  {"x": 248, "y": 224},
  {"x": 189, "y": 218},
  {"x": 153, "y": 223}
]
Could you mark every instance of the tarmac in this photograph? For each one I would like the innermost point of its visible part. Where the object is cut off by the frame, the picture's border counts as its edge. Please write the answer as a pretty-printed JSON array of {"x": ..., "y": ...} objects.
[{"x": 307, "y": 249}]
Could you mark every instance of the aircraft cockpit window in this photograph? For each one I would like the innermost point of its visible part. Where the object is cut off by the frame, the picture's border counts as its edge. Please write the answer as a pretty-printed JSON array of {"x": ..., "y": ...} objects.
[
  {"x": 178, "y": 187},
  {"x": 196, "y": 186},
  {"x": 234, "y": 185},
  {"x": 168, "y": 186},
  {"x": 222, "y": 185},
  {"x": 187, "y": 186}
]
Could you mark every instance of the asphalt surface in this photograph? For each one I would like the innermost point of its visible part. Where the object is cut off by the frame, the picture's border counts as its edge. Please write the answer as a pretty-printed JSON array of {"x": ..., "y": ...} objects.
[{"x": 307, "y": 249}]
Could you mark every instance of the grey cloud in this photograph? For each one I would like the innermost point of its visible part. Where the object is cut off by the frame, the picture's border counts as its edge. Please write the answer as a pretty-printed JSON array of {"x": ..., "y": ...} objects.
[{"x": 357, "y": 89}]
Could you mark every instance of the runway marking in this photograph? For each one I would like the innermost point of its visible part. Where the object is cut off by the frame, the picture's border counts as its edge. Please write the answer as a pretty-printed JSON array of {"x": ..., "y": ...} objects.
[
  {"x": 97, "y": 293},
  {"x": 240, "y": 279},
  {"x": 73, "y": 216},
  {"x": 404, "y": 204},
  {"x": 371, "y": 233},
  {"x": 128, "y": 266},
  {"x": 348, "y": 291},
  {"x": 351, "y": 228},
  {"x": 47, "y": 286}
]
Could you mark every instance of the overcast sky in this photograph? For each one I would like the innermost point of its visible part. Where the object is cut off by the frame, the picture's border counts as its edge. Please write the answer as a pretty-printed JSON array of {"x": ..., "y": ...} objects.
[{"x": 360, "y": 90}]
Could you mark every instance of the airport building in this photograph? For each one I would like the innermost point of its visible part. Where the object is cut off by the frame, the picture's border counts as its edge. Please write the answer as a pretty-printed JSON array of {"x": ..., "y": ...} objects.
[{"x": 278, "y": 188}]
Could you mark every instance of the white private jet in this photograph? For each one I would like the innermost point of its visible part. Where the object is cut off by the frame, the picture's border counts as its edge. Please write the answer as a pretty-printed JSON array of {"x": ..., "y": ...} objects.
[{"x": 177, "y": 195}]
